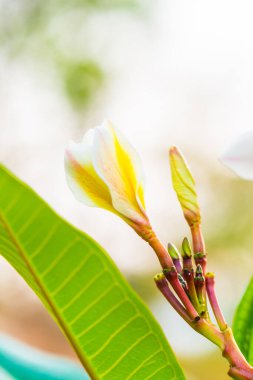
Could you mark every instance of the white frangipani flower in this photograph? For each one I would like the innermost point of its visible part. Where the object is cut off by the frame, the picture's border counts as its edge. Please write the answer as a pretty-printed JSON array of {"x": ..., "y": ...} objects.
[
  {"x": 104, "y": 170},
  {"x": 238, "y": 156}
]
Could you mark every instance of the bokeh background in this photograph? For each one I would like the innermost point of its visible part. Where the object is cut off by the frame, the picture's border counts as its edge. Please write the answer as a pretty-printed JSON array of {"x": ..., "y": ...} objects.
[{"x": 166, "y": 73}]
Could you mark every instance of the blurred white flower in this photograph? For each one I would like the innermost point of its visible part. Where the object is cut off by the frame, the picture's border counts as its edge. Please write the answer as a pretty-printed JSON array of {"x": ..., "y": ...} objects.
[{"x": 238, "y": 156}]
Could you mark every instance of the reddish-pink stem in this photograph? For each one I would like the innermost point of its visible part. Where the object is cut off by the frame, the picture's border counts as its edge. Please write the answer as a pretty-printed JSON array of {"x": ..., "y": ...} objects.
[
  {"x": 197, "y": 238},
  {"x": 239, "y": 367},
  {"x": 161, "y": 252},
  {"x": 189, "y": 278},
  {"x": 178, "y": 265},
  {"x": 163, "y": 286},
  {"x": 210, "y": 287},
  {"x": 172, "y": 277},
  {"x": 199, "y": 246}
]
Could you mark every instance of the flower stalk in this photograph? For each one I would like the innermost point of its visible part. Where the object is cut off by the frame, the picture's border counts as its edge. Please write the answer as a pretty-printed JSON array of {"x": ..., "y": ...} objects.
[
  {"x": 188, "y": 273},
  {"x": 239, "y": 367},
  {"x": 160, "y": 250},
  {"x": 200, "y": 284},
  {"x": 169, "y": 284},
  {"x": 163, "y": 286},
  {"x": 197, "y": 238},
  {"x": 175, "y": 256},
  {"x": 172, "y": 276},
  {"x": 210, "y": 287}
]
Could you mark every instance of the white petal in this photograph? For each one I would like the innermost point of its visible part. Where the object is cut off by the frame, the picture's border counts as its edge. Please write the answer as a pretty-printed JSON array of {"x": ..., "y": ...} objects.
[
  {"x": 123, "y": 175},
  {"x": 238, "y": 156},
  {"x": 137, "y": 166},
  {"x": 81, "y": 177}
]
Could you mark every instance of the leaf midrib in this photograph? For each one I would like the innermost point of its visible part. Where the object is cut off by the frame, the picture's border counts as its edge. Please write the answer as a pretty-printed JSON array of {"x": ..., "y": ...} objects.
[{"x": 68, "y": 334}]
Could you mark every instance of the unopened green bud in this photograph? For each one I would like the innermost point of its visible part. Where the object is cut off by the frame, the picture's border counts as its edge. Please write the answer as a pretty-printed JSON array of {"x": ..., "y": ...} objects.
[
  {"x": 186, "y": 248},
  {"x": 174, "y": 254},
  {"x": 184, "y": 186}
]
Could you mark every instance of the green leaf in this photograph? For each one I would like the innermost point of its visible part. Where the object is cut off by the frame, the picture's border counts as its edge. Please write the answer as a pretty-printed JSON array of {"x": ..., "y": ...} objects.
[
  {"x": 243, "y": 323},
  {"x": 112, "y": 331}
]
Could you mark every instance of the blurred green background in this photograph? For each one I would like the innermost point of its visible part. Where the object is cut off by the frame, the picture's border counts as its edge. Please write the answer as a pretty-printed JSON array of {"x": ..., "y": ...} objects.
[{"x": 167, "y": 73}]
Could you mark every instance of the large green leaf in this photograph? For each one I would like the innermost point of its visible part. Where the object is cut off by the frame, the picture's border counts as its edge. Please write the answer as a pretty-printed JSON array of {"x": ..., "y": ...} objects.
[
  {"x": 112, "y": 331},
  {"x": 243, "y": 324}
]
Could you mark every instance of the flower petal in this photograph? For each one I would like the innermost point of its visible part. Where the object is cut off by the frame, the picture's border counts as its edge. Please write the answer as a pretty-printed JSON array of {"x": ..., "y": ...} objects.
[
  {"x": 82, "y": 179},
  {"x": 238, "y": 156},
  {"x": 119, "y": 166}
]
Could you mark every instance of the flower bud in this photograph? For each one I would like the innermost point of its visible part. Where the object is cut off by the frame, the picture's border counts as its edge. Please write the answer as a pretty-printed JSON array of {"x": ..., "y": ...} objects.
[
  {"x": 105, "y": 171},
  {"x": 174, "y": 254},
  {"x": 186, "y": 248},
  {"x": 184, "y": 186}
]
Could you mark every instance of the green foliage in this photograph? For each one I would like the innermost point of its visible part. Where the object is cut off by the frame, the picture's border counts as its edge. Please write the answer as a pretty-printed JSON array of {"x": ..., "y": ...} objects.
[
  {"x": 48, "y": 32},
  {"x": 112, "y": 331},
  {"x": 243, "y": 324},
  {"x": 81, "y": 81}
]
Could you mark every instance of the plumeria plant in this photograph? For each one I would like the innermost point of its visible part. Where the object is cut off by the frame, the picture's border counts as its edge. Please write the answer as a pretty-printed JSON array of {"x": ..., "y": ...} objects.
[
  {"x": 104, "y": 170},
  {"x": 113, "y": 333}
]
